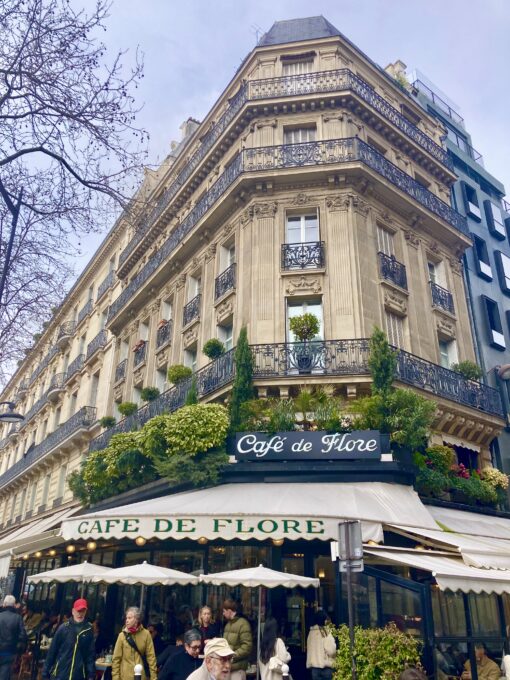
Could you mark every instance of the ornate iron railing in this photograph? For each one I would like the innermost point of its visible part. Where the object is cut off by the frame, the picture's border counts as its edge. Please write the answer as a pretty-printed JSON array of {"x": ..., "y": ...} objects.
[
  {"x": 120, "y": 370},
  {"x": 303, "y": 255},
  {"x": 97, "y": 343},
  {"x": 57, "y": 382},
  {"x": 271, "y": 158},
  {"x": 191, "y": 310},
  {"x": 66, "y": 329},
  {"x": 42, "y": 365},
  {"x": 83, "y": 418},
  {"x": 84, "y": 311},
  {"x": 164, "y": 333},
  {"x": 225, "y": 281},
  {"x": 75, "y": 366},
  {"x": 105, "y": 284},
  {"x": 442, "y": 298},
  {"x": 140, "y": 353},
  {"x": 392, "y": 270},
  {"x": 22, "y": 388}
]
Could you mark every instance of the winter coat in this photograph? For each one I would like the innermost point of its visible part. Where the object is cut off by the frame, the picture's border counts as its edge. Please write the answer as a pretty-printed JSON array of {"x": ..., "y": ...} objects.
[
  {"x": 125, "y": 658},
  {"x": 208, "y": 632},
  {"x": 280, "y": 651},
  {"x": 237, "y": 633},
  {"x": 320, "y": 648},
  {"x": 13, "y": 637},
  {"x": 71, "y": 653},
  {"x": 179, "y": 666}
]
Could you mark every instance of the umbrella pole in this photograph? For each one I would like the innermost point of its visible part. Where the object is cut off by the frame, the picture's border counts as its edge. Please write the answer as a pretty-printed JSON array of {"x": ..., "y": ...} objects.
[
  {"x": 142, "y": 594},
  {"x": 82, "y": 588},
  {"x": 259, "y": 628}
]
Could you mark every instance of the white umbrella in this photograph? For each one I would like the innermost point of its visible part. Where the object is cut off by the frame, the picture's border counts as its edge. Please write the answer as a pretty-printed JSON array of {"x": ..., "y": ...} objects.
[
  {"x": 146, "y": 575},
  {"x": 259, "y": 576},
  {"x": 82, "y": 573}
]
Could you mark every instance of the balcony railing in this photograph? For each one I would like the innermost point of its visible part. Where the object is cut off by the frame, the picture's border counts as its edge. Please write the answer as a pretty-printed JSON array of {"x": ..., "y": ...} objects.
[
  {"x": 83, "y": 418},
  {"x": 303, "y": 255},
  {"x": 57, "y": 382},
  {"x": 85, "y": 311},
  {"x": 442, "y": 298},
  {"x": 75, "y": 366},
  {"x": 225, "y": 281},
  {"x": 120, "y": 370},
  {"x": 392, "y": 270},
  {"x": 42, "y": 365},
  {"x": 191, "y": 310},
  {"x": 436, "y": 99},
  {"x": 324, "y": 357},
  {"x": 270, "y": 158},
  {"x": 286, "y": 86},
  {"x": 140, "y": 354},
  {"x": 164, "y": 333},
  {"x": 97, "y": 343},
  {"x": 105, "y": 284}
]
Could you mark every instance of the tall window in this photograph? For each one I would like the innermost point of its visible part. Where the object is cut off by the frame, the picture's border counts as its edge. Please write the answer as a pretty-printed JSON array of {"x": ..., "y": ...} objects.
[
  {"x": 61, "y": 481},
  {"x": 436, "y": 273},
  {"x": 447, "y": 353},
  {"x": 394, "y": 329},
  {"x": 166, "y": 310},
  {"x": 194, "y": 286},
  {"x": 225, "y": 334},
  {"x": 471, "y": 204},
  {"x": 33, "y": 494},
  {"x": 503, "y": 267},
  {"x": 493, "y": 320},
  {"x": 227, "y": 256},
  {"x": 46, "y": 489},
  {"x": 297, "y": 307},
  {"x": 190, "y": 359},
  {"x": 303, "y": 228},
  {"x": 296, "y": 68},
  {"x": 385, "y": 241},
  {"x": 299, "y": 135},
  {"x": 495, "y": 221},
  {"x": 94, "y": 387},
  {"x": 482, "y": 261}
]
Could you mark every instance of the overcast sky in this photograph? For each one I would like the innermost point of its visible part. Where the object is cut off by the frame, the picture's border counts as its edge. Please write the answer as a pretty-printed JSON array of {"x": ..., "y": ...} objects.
[{"x": 193, "y": 47}]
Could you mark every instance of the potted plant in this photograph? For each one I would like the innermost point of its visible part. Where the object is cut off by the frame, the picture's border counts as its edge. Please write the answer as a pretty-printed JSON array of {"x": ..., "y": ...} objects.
[
  {"x": 107, "y": 422},
  {"x": 149, "y": 393},
  {"x": 127, "y": 408},
  {"x": 213, "y": 348},
  {"x": 305, "y": 328},
  {"x": 178, "y": 373},
  {"x": 468, "y": 369}
]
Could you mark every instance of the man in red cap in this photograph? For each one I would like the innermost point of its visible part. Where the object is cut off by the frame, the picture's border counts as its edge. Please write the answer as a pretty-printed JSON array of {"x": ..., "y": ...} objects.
[{"x": 71, "y": 654}]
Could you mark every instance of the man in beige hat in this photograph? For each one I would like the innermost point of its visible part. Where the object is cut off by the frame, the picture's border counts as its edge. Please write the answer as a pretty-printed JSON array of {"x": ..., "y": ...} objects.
[{"x": 217, "y": 661}]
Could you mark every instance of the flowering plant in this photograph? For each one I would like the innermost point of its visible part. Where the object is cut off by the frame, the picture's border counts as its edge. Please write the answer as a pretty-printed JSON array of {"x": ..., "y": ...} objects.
[
  {"x": 163, "y": 322},
  {"x": 460, "y": 471},
  {"x": 138, "y": 345},
  {"x": 495, "y": 478}
]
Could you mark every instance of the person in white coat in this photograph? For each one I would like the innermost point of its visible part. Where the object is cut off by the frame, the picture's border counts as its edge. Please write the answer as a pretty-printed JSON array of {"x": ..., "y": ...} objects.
[
  {"x": 320, "y": 649},
  {"x": 273, "y": 653}
]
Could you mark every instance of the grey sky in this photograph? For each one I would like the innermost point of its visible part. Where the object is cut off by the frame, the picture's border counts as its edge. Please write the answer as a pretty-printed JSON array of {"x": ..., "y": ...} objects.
[{"x": 193, "y": 47}]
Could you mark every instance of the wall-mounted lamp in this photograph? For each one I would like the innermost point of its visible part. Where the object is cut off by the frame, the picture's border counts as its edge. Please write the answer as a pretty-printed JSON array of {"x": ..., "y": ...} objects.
[
  {"x": 38, "y": 554},
  {"x": 321, "y": 574},
  {"x": 91, "y": 545},
  {"x": 52, "y": 552},
  {"x": 203, "y": 540},
  {"x": 277, "y": 542}
]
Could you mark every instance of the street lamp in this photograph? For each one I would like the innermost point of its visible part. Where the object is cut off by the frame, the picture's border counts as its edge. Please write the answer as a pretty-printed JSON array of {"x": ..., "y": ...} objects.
[
  {"x": 10, "y": 415},
  {"x": 503, "y": 372}
]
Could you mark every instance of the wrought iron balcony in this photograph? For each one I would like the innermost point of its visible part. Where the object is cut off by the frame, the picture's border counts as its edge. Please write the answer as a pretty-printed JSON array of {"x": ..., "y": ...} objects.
[
  {"x": 75, "y": 366},
  {"x": 57, "y": 384},
  {"x": 164, "y": 333},
  {"x": 191, "y": 310},
  {"x": 42, "y": 365},
  {"x": 120, "y": 370},
  {"x": 82, "y": 419},
  {"x": 392, "y": 270},
  {"x": 105, "y": 285},
  {"x": 97, "y": 343},
  {"x": 140, "y": 353},
  {"x": 303, "y": 255},
  {"x": 270, "y": 158},
  {"x": 85, "y": 311},
  {"x": 441, "y": 298},
  {"x": 286, "y": 86},
  {"x": 225, "y": 281},
  {"x": 65, "y": 333}
]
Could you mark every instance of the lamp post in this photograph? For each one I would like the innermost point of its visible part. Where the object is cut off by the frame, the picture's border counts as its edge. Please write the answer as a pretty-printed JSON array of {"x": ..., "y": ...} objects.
[{"x": 10, "y": 415}]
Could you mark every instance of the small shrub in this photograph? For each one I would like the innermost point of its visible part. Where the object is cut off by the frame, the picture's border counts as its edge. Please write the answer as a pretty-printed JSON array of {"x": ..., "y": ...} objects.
[
  {"x": 107, "y": 421},
  {"x": 440, "y": 458},
  {"x": 431, "y": 482},
  {"x": 213, "y": 348},
  {"x": 242, "y": 387},
  {"x": 149, "y": 393},
  {"x": 305, "y": 326},
  {"x": 474, "y": 490},
  {"x": 127, "y": 408},
  {"x": 468, "y": 369},
  {"x": 282, "y": 416},
  {"x": 178, "y": 373},
  {"x": 494, "y": 477}
]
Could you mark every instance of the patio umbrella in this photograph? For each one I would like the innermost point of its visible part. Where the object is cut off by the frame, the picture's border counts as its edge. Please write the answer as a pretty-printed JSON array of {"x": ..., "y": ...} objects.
[
  {"x": 146, "y": 575},
  {"x": 81, "y": 573},
  {"x": 258, "y": 577}
]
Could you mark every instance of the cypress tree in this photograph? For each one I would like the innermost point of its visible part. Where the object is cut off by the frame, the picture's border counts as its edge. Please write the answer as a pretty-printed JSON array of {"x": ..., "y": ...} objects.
[
  {"x": 382, "y": 363},
  {"x": 242, "y": 389},
  {"x": 192, "y": 395}
]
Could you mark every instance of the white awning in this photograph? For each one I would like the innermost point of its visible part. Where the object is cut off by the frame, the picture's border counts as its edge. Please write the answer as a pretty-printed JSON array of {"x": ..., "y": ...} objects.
[
  {"x": 260, "y": 511},
  {"x": 471, "y": 523},
  {"x": 479, "y": 551},
  {"x": 450, "y": 573}
]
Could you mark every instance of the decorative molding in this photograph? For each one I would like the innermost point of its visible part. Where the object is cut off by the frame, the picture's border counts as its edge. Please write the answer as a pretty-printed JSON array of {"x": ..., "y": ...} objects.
[
  {"x": 190, "y": 336},
  {"x": 180, "y": 282},
  {"x": 227, "y": 230},
  {"x": 395, "y": 303},
  {"x": 265, "y": 209},
  {"x": 301, "y": 199},
  {"x": 162, "y": 357},
  {"x": 118, "y": 391},
  {"x": 411, "y": 238},
  {"x": 339, "y": 203},
  {"x": 246, "y": 216},
  {"x": 139, "y": 375},
  {"x": 270, "y": 122},
  {"x": 303, "y": 284},
  {"x": 225, "y": 309},
  {"x": 359, "y": 205},
  {"x": 456, "y": 265},
  {"x": 211, "y": 252},
  {"x": 445, "y": 327}
]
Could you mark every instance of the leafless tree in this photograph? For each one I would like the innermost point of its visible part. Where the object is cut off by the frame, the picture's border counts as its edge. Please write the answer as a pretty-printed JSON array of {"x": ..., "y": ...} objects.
[{"x": 70, "y": 152}]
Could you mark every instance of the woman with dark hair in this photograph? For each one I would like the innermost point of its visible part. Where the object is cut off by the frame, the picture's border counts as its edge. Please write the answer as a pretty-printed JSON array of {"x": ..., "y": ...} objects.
[
  {"x": 320, "y": 648},
  {"x": 273, "y": 653}
]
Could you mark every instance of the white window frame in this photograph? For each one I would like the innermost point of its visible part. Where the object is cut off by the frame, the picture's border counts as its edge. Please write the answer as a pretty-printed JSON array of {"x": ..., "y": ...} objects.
[
  {"x": 309, "y": 214},
  {"x": 299, "y": 135},
  {"x": 394, "y": 329},
  {"x": 191, "y": 358},
  {"x": 227, "y": 256},
  {"x": 298, "y": 307},
  {"x": 447, "y": 352},
  {"x": 297, "y": 68},
  {"x": 385, "y": 241},
  {"x": 226, "y": 335}
]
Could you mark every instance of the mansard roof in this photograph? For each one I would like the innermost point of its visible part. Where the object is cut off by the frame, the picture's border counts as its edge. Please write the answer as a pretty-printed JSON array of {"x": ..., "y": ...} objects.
[{"x": 295, "y": 30}]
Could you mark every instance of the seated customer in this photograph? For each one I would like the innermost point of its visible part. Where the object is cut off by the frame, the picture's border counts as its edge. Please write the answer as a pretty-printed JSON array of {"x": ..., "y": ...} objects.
[
  {"x": 179, "y": 666},
  {"x": 486, "y": 668},
  {"x": 155, "y": 629}
]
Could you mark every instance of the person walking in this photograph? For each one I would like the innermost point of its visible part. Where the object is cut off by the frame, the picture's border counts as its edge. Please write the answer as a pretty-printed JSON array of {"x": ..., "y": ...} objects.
[
  {"x": 217, "y": 661},
  {"x": 273, "y": 653},
  {"x": 320, "y": 649},
  {"x": 134, "y": 646},
  {"x": 237, "y": 633},
  {"x": 13, "y": 637},
  {"x": 71, "y": 653}
]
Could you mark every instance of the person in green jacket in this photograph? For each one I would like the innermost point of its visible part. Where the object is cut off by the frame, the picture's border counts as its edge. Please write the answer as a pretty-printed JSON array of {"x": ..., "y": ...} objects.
[{"x": 237, "y": 632}]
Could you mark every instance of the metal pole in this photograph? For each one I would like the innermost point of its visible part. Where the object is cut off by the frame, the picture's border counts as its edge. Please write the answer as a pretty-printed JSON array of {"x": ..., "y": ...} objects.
[
  {"x": 259, "y": 628},
  {"x": 349, "y": 604},
  {"x": 142, "y": 594},
  {"x": 8, "y": 252}
]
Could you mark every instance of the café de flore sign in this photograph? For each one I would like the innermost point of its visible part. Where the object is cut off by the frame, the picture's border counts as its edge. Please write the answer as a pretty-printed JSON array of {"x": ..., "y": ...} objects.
[{"x": 309, "y": 445}]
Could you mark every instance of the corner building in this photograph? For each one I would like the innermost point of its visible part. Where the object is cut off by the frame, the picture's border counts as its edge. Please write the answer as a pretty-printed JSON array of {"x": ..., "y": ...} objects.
[{"x": 315, "y": 183}]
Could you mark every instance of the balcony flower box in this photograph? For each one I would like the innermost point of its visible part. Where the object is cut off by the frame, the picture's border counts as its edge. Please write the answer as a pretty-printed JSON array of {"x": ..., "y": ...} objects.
[
  {"x": 162, "y": 323},
  {"x": 138, "y": 345}
]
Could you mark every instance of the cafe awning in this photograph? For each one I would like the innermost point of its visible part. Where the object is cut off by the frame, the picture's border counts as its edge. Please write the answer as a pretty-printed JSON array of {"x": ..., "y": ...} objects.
[
  {"x": 258, "y": 511},
  {"x": 450, "y": 573},
  {"x": 471, "y": 523}
]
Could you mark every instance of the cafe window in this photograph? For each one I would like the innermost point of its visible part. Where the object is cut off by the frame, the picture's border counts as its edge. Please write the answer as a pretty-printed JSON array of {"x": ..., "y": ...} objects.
[
  {"x": 484, "y": 612},
  {"x": 449, "y": 613}
]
